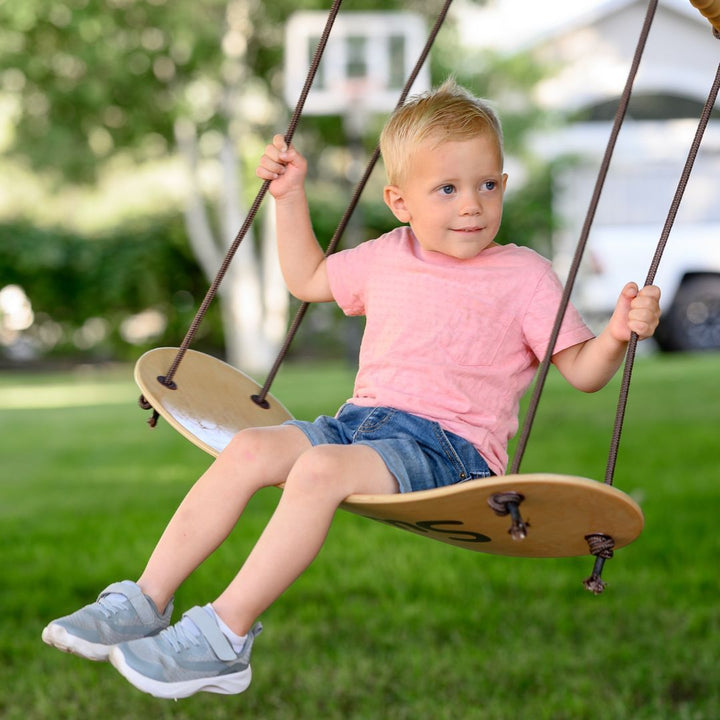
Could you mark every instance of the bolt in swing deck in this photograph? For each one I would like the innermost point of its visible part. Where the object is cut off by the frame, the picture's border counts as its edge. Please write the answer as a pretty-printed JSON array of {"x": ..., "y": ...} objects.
[{"x": 530, "y": 515}]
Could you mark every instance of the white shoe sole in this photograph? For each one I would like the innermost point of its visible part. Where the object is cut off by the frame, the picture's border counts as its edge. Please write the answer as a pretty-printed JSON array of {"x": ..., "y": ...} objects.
[
  {"x": 59, "y": 637},
  {"x": 231, "y": 684}
]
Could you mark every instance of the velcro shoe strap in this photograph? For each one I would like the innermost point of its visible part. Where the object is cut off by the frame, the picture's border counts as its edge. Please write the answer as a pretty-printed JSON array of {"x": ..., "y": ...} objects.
[
  {"x": 134, "y": 594},
  {"x": 213, "y": 634}
]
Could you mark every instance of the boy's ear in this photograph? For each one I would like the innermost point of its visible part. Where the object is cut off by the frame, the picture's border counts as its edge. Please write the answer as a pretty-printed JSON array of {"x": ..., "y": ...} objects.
[{"x": 395, "y": 201}]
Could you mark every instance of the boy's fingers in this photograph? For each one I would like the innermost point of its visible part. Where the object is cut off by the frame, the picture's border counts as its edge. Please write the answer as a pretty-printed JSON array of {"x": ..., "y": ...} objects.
[
  {"x": 630, "y": 290},
  {"x": 279, "y": 143},
  {"x": 270, "y": 168},
  {"x": 651, "y": 291},
  {"x": 648, "y": 298}
]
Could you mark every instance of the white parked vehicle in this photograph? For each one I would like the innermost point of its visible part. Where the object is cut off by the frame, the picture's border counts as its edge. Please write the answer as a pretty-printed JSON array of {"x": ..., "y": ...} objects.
[
  {"x": 688, "y": 275},
  {"x": 627, "y": 227}
]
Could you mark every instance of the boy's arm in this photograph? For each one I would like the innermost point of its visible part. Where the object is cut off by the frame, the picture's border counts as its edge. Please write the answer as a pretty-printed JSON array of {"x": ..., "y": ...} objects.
[
  {"x": 302, "y": 260},
  {"x": 589, "y": 366}
]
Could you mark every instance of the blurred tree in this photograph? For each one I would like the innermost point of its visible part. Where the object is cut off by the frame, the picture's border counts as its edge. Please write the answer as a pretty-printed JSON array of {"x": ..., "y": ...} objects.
[
  {"x": 93, "y": 296},
  {"x": 97, "y": 78},
  {"x": 94, "y": 80},
  {"x": 100, "y": 77}
]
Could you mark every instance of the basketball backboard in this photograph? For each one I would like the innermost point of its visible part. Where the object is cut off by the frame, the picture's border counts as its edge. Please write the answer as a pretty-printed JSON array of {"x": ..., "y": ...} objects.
[{"x": 367, "y": 60}]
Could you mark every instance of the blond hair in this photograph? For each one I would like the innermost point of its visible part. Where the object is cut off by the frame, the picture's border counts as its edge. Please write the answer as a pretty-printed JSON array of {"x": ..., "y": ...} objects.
[{"x": 447, "y": 113}]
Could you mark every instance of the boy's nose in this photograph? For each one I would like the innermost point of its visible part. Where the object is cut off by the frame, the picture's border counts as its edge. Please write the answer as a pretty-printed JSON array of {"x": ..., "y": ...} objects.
[{"x": 471, "y": 206}]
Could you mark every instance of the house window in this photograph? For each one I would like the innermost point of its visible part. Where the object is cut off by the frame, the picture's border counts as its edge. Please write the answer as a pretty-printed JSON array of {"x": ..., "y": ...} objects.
[
  {"x": 356, "y": 66},
  {"x": 396, "y": 53}
]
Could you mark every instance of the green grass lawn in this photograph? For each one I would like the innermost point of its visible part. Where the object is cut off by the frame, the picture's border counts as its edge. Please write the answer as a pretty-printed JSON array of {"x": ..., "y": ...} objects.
[{"x": 385, "y": 624}]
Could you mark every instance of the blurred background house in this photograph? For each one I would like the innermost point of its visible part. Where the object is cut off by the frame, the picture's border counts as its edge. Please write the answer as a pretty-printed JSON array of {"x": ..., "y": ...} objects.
[
  {"x": 129, "y": 136},
  {"x": 587, "y": 49}
]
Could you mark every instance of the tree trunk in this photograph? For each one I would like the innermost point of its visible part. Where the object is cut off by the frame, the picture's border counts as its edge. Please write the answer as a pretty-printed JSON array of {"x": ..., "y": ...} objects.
[{"x": 253, "y": 299}]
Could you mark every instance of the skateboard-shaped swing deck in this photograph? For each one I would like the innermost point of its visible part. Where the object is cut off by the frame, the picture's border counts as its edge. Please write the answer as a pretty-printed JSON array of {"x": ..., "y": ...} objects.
[
  {"x": 559, "y": 510},
  {"x": 213, "y": 401}
]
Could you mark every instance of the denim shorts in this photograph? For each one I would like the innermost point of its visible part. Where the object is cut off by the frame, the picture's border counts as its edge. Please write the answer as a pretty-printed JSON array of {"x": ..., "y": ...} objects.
[{"x": 419, "y": 453}]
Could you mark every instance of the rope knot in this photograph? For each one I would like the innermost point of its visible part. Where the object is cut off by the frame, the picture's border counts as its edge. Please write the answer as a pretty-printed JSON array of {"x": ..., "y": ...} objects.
[
  {"x": 145, "y": 405},
  {"x": 601, "y": 546},
  {"x": 508, "y": 503}
]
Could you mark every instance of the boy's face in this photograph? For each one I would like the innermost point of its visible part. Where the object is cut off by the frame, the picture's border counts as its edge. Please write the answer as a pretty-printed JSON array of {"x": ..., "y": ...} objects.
[{"x": 452, "y": 196}]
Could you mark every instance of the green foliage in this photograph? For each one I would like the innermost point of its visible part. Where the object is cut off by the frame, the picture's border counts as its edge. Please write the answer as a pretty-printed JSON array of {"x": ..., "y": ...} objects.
[
  {"x": 70, "y": 279},
  {"x": 384, "y": 624},
  {"x": 527, "y": 214},
  {"x": 96, "y": 76},
  {"x": 94, "y": 79}
]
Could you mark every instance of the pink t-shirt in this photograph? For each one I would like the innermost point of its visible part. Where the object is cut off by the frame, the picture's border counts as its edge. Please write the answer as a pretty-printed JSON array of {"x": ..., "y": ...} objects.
[{"x": 455, "y": 341}]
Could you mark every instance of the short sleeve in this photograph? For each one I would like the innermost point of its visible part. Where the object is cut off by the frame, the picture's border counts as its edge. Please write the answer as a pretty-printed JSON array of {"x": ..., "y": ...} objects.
[
  {"x": 348, "y": 272},
  {"x": 540, "y": 317}
]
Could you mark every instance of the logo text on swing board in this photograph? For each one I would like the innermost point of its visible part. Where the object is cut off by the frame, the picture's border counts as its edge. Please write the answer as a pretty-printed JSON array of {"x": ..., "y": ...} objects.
[{"x": 441, "y": 527}]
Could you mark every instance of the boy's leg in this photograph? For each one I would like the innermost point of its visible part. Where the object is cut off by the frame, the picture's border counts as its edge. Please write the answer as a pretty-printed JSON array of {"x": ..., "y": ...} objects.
[
  {"x": 206, "y": 650},
  {"x": 319, "y": 481},
  {"x": 255, "y": 458}
]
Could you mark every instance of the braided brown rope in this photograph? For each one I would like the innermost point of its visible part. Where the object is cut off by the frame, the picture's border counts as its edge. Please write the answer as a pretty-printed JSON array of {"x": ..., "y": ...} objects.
[
  {"x": 260, "y": 398},
  {"x": 601, "y": 546},
  {"x": 167, "y": 379},
  {"x": 582, "y": 242},
  {"x": 672, "y": 213},
  {"x": 508, "y": 503}
]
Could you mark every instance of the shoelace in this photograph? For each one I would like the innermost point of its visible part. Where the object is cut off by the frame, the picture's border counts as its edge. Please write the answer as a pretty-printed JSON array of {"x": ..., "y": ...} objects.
[
  {"x": 182, "y": 635},
  {"x": 112, "y": 603}
]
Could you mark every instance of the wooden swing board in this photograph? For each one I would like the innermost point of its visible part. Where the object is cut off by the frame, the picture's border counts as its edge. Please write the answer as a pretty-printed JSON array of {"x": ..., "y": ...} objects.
[
  {"x": 213, "y": 402},
  {"x": 559, "y": 510}
]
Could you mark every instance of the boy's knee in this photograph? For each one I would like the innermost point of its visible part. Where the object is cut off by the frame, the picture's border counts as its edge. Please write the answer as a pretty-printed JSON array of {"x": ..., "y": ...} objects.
[
  {"x": 317, "y": 469},
  {"x": 249, "y": 445}
]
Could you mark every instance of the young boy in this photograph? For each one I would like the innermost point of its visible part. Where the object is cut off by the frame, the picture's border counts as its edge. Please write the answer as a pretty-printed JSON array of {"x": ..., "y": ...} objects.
[{"x": 455, "y": 325}]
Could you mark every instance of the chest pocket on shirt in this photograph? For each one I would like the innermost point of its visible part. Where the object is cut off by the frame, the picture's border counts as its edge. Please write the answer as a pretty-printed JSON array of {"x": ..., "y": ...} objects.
[{"x": 475, "y": 331}]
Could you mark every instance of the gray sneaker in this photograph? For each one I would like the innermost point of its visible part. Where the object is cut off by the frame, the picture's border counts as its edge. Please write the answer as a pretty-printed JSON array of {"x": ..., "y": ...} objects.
[
  {"x": 186, "y": 658},
  {"x": 121, "y": 613}
]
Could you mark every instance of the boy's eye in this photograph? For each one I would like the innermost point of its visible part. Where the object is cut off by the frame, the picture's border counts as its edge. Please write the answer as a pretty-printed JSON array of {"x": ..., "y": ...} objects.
[
  {"x": 447, "y": 189},
  {"x": 489, "y": 185}
]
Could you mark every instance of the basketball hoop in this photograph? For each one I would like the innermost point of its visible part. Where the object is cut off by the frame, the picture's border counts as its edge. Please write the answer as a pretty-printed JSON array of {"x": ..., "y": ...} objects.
[{"x": 366, "y": 61}]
